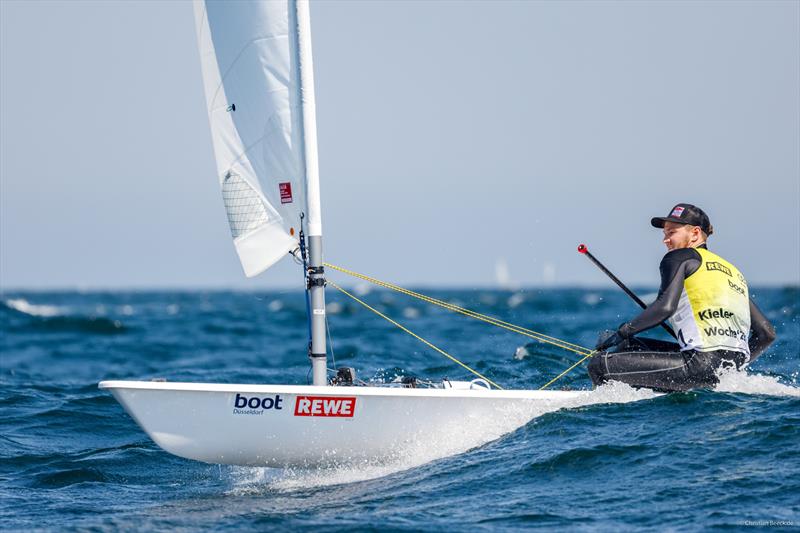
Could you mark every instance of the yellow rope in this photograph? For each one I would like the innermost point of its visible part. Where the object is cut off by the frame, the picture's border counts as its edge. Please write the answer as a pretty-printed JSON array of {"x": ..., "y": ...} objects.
[
  {"x": 414, "y": 334},
  {"x": 541, "y": 337},
  {"x": 565, "y": 372}
]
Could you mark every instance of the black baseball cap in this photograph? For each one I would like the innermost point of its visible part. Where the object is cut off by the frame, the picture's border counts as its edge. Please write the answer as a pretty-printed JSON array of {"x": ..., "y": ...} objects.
[{"x": 685, "y": 214}]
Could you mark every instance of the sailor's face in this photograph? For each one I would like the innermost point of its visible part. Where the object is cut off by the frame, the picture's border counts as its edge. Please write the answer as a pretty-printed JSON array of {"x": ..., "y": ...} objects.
[{"x": 677, "y": 236}]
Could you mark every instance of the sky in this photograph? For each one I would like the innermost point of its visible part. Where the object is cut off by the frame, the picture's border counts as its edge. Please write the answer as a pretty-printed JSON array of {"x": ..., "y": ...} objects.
[{"x": 453, "y": 137}]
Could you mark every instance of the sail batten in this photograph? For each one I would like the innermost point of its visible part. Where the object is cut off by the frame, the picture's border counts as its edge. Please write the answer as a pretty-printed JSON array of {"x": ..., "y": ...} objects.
[{"x": 251, "y": 74}]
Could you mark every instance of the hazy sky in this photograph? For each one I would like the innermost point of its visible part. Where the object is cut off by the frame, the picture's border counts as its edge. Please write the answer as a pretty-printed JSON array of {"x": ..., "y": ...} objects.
[{"x": 451, "y": 134}]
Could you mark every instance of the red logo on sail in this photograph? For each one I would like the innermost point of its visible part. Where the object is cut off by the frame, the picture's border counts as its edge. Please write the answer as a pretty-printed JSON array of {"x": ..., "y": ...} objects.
[
  {"x": 286, "y": 192},
  {"x": 342, "y": 407}
]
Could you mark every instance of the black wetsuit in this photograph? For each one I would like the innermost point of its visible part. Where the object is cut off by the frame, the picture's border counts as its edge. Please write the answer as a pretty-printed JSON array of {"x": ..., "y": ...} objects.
[{"x": 662, "y": 365}]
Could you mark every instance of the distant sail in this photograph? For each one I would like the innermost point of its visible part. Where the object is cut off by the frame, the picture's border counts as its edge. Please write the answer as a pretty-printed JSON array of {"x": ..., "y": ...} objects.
[
  {"x": 249, "y": 56},
  {"x": 501, "y": 273}
]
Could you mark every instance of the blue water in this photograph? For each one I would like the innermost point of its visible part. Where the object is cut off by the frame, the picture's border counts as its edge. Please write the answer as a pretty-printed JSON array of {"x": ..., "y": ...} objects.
[{"x": 70, "y": 458}]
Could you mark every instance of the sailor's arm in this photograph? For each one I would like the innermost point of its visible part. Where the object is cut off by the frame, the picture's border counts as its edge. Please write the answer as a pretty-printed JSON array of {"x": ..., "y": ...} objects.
[
  {"x": 762, "y": 334},
  {"x": 676, "y": 266}
]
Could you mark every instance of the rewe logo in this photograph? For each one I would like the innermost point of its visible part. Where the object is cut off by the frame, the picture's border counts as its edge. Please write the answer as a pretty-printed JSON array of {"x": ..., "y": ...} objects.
[
  {"x": 325, "y": 406},
  {"x": 713, "y": 265}
]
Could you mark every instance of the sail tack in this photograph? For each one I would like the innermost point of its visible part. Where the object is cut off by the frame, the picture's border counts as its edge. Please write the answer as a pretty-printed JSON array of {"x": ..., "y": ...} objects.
[{"x": 250, "y": 61}]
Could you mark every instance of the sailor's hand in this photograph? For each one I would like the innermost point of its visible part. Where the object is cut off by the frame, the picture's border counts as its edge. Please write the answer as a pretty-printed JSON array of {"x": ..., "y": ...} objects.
[{"x": 611, "y": 340}]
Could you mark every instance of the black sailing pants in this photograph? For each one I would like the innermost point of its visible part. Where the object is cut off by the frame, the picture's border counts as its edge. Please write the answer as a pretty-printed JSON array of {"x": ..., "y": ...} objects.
[{"x": 660, "y": 365}]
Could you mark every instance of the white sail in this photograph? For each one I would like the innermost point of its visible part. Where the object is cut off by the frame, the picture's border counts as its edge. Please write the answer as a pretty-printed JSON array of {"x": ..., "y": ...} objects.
[{"x": 251, "y": 72}]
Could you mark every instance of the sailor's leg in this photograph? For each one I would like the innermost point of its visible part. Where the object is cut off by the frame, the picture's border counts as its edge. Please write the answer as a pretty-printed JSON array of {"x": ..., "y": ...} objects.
[
  {"x": 671, "y": 371},
  {"x": 640, "y": 344},
  {"x": 652, "y": 345}
]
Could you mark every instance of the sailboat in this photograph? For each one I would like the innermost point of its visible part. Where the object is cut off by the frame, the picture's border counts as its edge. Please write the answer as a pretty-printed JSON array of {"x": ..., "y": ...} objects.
[{"x": 258, "y": 79}]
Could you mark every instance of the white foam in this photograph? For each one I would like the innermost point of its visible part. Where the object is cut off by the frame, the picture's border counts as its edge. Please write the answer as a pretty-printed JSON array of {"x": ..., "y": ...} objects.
[
  {"x": 515, "y": 299},
  {"x": 592, "y": 299},
  {"x": 362, "y": 289},
  {"x": 521, "y": 353},
  {"x": 411, "y": 312},
  {"x": 749, "y": 383},
  {"x": 616, "y": 392},
  {"x": 23, "y": 306},
  {"x": 256, "y": 480}
]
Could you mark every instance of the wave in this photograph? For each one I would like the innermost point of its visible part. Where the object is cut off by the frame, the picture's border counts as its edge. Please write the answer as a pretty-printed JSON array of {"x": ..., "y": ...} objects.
[
  {"x": 583, "y": 458},
  {"x": 23, "y": 306},
  {"x": 749, "y": 383},
  {"x": 49, "y": 318},
  {"x": 70, "y": 476},
  {"x": 98, "y": 325},
  {"x": 59, "y": 469},
  {"x": 729, "y": 381}
]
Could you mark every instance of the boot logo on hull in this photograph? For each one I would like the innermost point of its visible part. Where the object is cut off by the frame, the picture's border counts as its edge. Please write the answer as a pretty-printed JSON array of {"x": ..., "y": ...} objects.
[{"x": 242, "y": 405}]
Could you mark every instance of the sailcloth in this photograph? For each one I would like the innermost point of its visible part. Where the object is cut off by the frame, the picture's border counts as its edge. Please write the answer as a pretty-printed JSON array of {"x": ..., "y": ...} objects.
[{"x": 250, "y": 62}]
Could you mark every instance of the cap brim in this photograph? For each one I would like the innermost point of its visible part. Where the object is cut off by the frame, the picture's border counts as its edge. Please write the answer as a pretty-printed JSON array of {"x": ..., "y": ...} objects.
[{"x": 658, "y": 222}]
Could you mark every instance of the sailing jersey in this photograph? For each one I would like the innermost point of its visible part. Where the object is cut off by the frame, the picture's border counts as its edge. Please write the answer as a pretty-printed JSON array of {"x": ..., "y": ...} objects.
[
  {"x": 707, "y": 301},
  {"x": 714, "y": 308}
]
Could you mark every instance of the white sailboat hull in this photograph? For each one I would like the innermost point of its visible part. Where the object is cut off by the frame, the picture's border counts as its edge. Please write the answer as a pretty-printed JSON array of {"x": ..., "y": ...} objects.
[{"x": 306, "y": 426}]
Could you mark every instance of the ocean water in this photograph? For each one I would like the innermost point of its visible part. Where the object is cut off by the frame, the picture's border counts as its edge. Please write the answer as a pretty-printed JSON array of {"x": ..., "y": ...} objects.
[{"x": 71, "y": 458}]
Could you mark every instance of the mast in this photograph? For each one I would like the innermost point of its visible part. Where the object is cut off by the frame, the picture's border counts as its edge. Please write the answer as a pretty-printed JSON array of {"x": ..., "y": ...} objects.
[{"x": 316, "y": 273}]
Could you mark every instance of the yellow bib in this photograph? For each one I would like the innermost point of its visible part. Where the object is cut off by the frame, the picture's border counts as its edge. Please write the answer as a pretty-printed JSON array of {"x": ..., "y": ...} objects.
[{"x": 714, "y": 309}]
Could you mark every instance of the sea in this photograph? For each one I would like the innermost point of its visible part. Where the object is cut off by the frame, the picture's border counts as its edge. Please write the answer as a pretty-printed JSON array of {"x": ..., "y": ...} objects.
[{"x": 629, "y": 460}]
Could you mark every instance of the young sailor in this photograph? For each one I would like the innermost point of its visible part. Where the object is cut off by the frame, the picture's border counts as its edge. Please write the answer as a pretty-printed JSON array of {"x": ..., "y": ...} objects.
[{"x": 706, "y": 300}]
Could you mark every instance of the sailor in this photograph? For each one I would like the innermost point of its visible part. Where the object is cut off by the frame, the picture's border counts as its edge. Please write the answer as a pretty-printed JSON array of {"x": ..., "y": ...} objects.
[{"x": 706, "y": 300}]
